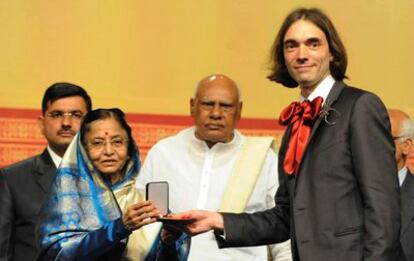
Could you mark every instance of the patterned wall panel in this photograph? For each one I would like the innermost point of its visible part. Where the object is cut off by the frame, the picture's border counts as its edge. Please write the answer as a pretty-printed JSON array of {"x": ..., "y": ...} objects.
[{"x": 20, "y": 136}]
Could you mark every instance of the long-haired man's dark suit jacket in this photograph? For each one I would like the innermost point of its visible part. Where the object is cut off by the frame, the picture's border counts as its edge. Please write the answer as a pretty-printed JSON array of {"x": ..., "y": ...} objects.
[
  {"x": 407, "y": 216},
  {"x": 344, "y": 204},
  {"x": 23, "y": 189}
]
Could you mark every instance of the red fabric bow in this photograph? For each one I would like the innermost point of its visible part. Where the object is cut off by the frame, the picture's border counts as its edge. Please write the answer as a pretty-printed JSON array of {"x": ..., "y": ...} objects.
[{"x": 301, "y": 115}]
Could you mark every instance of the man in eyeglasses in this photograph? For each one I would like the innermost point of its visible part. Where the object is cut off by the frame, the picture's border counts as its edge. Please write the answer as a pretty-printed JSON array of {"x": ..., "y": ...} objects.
[
  {"x": 402, "y": 129},
  {"x": 25, "y": 184}
]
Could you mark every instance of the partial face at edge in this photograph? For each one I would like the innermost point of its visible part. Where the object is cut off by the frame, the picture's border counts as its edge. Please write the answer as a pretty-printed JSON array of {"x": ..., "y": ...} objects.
[{"x": 403, "y": 145}]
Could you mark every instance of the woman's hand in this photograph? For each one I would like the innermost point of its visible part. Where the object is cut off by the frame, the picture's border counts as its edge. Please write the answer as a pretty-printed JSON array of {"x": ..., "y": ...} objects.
[{"x": 140, "y": 214}]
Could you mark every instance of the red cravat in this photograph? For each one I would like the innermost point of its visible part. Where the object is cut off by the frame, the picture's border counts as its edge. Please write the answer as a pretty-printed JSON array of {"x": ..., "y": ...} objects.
[{"x": 301, "y": 115}]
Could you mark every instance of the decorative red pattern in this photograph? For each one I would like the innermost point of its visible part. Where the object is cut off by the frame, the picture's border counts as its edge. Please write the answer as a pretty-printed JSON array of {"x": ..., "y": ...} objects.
[{"x": 20, "y": 137}]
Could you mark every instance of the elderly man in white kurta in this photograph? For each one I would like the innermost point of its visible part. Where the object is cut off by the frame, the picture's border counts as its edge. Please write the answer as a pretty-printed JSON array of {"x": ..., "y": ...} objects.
[{"x": 213, "y": 166}]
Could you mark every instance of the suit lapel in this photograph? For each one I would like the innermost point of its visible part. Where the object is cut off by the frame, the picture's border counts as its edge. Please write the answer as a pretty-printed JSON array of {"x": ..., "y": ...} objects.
[
  {"x": 330, "y": 100},
  {"x": 44, "y": 171},
  {"x": 282, "y": 153},
  {"x": 407, "y": 202}
]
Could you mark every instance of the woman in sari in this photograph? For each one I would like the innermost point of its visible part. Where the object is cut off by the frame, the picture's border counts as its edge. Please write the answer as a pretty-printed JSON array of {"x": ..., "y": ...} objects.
[{"x": 94, "y": 212}]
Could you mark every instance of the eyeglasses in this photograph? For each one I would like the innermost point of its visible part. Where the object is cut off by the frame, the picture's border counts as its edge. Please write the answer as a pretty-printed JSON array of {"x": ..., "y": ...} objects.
[
  {"x": 398, "y": 137},
  {"x": 116, "y": 143},
  {"x": 402, "y": 139},
  {"x": 57, "y": 115}
]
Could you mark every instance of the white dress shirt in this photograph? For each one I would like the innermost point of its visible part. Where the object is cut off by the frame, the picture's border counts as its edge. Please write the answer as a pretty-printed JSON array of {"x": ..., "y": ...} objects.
[
  {"x": 402, "y": 173},
  {"x": 55, "y": 158},
  {"x": 322, "y": 90},
  {"x": 198, "y": 176}
]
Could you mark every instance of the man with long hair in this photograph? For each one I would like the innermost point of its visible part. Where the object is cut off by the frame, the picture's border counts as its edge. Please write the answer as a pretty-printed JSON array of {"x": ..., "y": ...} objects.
[{"x": 338, "y": 197}]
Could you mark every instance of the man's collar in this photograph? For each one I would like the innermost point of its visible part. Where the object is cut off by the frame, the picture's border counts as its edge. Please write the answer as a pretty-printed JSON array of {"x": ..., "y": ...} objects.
[
  {"x": 402, "y": 173},
  {"x": 322, "y": 90},
  {"x": 55, "y": 158}
]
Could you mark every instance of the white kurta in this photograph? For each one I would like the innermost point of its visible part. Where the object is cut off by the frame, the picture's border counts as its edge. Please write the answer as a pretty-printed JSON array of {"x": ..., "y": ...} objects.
[{"x": 198, "y": 177}]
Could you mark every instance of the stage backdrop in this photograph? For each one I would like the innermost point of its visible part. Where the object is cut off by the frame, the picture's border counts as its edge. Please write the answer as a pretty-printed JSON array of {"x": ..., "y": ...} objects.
[
  {"x": 20, "y": 136},
  {"x": 146, "y": 56}
]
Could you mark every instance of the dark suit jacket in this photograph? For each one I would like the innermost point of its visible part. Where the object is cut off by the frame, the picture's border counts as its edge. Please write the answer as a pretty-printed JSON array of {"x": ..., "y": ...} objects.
[
  {"x": 344, "y": 203},
  {"x": 23, "y": 188},
  {"x": 407, "y": 216}
]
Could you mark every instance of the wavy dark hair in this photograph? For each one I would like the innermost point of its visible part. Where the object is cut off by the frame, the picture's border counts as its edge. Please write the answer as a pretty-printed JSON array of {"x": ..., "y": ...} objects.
[
  {"x": 279, "y": 72},
  {"x": 115, "y": 113}
]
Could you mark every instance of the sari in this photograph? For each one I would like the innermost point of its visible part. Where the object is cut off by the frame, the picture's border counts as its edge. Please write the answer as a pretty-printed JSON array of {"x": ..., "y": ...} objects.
[{"x": 82, "y": 217}]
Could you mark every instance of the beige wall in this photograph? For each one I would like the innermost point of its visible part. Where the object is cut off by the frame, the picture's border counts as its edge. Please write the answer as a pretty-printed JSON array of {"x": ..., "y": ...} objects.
[{"x": 145, "y": 56}]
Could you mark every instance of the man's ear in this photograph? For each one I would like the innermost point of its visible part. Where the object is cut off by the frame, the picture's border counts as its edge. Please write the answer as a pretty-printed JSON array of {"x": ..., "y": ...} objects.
[
  {"x": 406, "y": 146},
  {"x": 192, "y": 104},
  {"x": 41, "y": 124},
  {"x": 240, "y": 110}
]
